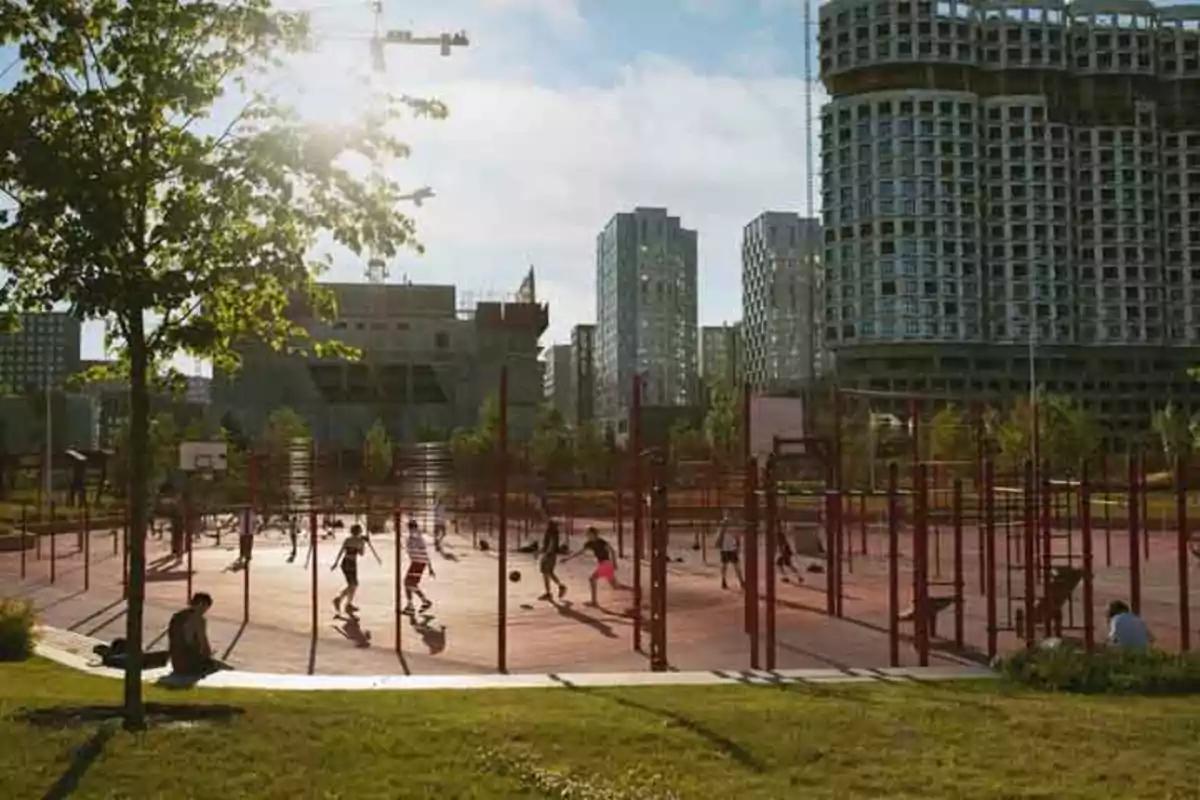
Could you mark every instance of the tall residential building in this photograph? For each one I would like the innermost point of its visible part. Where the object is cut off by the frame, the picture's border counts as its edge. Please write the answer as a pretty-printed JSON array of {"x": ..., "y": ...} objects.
[
  {"x": 558, "y": 381},
  {"x": 1007, "y": 176},
  {"x": 645, "y": 311},
  {"x": 782, "y": 301},
  {"x": 44, "y": 349},
  {"x": 721, "y": 354},
  {"x": 583, "y": 368}
]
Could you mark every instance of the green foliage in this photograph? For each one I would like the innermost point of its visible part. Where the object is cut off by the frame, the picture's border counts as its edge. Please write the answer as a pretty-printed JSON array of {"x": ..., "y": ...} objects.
[
  {"x": 1069, "y": 434},
  {"x": 1176, "y": 432},
  {"x": 550, "y": 446},
  {"x": 950, "y": 437},
  {"x": 431, "y": 433},
  {"x": 377, "y": 452},
  {"x": 1107, "y": 670},
  {"x": 141, "y": 189},
  {"x": 17, "y": 629},
  {"x": 589, "y": 450},
  {"x": 164, "y": 440},
  {"x": 284, "y": 426},
  {"x": 722, "y": 423},
  {"x": 687, "y": 443}
]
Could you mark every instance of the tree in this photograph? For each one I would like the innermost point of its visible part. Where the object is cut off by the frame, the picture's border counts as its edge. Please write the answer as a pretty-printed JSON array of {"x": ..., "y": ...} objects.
[
  {"x": 284, "y": 426},
  {"x": 132, "y": 203},
  {"x": 722, "y": 423},
  {"x": 1013, "y": 432},
  {"x": 952, "y": 436},
  {"x": 377, "y": 452},
  {"x": 1069, "y": 434},
  {"x": 687, "y": 443},
  {"x": 590, "y": 454},
  {"x": 1175, "y": 432},
  {"x": 550, "y": 445}
]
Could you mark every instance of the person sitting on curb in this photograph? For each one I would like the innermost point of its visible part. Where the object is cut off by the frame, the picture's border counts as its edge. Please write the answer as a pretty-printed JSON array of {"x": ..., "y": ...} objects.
[
  {"x": 187, "y": 639},
  {"x": 1126, "y": 630}
]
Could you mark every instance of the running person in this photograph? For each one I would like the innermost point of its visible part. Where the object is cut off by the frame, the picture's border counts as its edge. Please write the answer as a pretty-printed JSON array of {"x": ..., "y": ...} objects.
[
  {"x": 606, "y": 563},
  {"x": 785, "y": 559},
  {"x": 418, "y": 562},
  {"x": 549, "y": 560},
  {"x": 439, "y": 524},
  {"x": 354, "y": 546},
  {"x": 729, "y": 545}
]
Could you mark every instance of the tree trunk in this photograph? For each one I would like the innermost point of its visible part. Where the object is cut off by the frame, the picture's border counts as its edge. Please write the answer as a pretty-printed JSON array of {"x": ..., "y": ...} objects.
[{"x": 139, "y": 457}]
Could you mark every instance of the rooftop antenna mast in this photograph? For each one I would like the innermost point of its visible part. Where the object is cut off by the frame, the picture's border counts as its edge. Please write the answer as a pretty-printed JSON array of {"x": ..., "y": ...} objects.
[{"x": 377, "y": 269}]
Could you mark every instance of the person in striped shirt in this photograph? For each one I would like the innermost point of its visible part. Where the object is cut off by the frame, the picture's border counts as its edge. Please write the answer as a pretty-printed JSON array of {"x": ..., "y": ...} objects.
[{"x": 418, "y": 562}]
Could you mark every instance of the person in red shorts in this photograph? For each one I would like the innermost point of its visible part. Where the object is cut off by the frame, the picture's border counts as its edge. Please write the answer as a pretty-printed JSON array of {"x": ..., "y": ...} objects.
[
  {"x": 418, "y": 562},
  {"x": 606, "y": 562}
]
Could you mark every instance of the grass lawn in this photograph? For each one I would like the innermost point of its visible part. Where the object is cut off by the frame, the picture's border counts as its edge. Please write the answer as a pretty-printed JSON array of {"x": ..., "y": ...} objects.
[{"x": 975, "y": 740}]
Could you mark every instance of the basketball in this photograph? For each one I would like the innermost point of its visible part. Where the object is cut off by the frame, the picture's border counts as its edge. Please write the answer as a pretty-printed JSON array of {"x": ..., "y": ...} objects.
[{"x": 514, "y": 576}]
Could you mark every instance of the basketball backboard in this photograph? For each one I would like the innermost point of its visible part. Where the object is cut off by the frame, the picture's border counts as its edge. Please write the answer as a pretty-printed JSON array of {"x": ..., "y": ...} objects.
[{"x": 197, "y": 456}]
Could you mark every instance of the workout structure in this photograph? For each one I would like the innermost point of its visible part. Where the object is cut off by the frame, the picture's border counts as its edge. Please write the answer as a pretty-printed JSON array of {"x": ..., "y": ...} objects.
[{"x": 770, "y": 560}]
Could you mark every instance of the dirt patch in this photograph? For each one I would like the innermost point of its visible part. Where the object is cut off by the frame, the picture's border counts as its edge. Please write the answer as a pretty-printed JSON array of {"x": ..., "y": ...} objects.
[{"x": 157, "y": 715}]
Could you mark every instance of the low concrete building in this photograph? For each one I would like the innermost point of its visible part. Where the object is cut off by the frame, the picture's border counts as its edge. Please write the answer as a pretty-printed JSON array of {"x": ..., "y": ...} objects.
[{"x": 426, "y": 367}]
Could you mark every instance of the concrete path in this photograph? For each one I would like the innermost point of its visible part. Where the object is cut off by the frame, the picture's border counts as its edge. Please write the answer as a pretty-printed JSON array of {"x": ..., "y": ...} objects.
[{"x": 75, "y": 651}]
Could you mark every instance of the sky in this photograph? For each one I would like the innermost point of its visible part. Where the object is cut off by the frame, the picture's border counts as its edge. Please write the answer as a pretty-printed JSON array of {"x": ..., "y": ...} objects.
[{"x": 564, "y": 112}]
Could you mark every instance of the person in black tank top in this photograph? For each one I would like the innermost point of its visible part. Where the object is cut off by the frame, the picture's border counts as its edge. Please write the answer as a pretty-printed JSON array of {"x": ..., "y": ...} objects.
[
  {"x": 355, "y": 545},
  {"x": 606, "y": 562}
]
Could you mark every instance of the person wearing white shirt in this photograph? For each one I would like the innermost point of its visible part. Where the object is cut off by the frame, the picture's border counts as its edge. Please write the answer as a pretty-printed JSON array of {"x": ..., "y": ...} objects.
[{"x": 1126, "y": 630}]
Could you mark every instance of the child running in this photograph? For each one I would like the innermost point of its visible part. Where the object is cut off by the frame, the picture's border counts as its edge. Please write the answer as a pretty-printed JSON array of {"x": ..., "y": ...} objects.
[
  {"x": 354, "y": 546},
  {"x": 606, "y": 563},
  {"x": 439, "y": 524},
  {"x": 418, "y": 562},
  {"x": 549, "y": 560},
  {"x": 785, "y": 559},
  {"x": 729, "y": 545}
]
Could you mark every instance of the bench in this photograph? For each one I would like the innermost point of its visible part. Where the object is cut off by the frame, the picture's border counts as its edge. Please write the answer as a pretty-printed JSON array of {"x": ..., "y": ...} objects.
[{"x": 937, "y": 604}]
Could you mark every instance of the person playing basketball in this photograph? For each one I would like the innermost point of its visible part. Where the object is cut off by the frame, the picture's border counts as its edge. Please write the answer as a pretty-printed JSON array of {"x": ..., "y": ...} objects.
[
  {"x": 549, "y": 560},
  {"x": 606, "y": 563},
  {"x": 418, "y": 562},
  {"x": 785, "y": 559},
  {"x": 354, "y": 546},
  {"x": 439, "y": 524},
  {"x": 729, "y": 546}
]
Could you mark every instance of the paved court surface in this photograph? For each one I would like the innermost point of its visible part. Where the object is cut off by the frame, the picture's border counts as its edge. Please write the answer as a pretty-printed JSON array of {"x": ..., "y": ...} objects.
[{"x": 705, "y": 624}]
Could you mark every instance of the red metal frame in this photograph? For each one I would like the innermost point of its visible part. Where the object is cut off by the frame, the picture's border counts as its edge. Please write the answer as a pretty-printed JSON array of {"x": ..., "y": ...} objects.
[
  {"x": 502, "y": 524},
  {"x": 750, "y": 593},
  {"x": 635, "y": 464}
]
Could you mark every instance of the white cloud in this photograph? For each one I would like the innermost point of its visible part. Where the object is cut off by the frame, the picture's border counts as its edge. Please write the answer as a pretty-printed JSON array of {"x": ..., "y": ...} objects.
[{"x": 528, "y": 173}]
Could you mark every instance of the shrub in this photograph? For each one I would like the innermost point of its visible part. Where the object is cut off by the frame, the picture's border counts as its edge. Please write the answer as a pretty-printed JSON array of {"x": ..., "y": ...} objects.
[
  {"x": 1105, "y": 670},
  {"x": 17, "y": 635}
]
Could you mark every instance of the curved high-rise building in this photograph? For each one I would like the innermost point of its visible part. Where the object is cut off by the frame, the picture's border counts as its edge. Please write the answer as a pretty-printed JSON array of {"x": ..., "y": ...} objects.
[{"x": 1001, "y": 174}]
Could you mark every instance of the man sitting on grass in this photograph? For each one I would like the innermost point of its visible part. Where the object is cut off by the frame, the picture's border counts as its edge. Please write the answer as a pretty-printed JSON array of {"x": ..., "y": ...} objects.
[
  {"x": 187, "y": 638},
  {"x": 1126, "y": 630}
]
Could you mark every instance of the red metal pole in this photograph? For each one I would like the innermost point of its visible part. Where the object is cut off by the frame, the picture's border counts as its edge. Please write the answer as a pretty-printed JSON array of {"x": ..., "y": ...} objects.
[
  {"x": 989, "y": 541},
  {"x": 980, "y": 488},
  {"x": 833, "y": 502},
  {"x": 1047, "y": 546},
  {"x": 248, "y": 532},
  {"x": 921, "y": 565},
  {"x": 1108, "y": 493},
  {"x": 502, "y": 533},
  {"x": 87, "y": 548},
  {"x": 312, "y": 543},
  {"x": 862, "y": 522},
  {"x": 893, "y": 523},
  {"x": 187, "y": 542},
  {"x": 1184, "y": 543},
  {"x": 750, "y": 593},
  {"x": 1030, "y": 552},
  {"x": 1135, "y": 550},
  {"x": 638, "y": 503},
  {"x": 914, "y": 417},
  {"x": 1085, "y": 532},
  {"x": 772, "y": 526},
  {"x": 397, "y": 589},
  {"x": 959, "y": 585},
  {"x": 37, "y": 542},
  {"x": 53, "y": 554},
  {"x": 1142, "y": 508},
  {"x": 24, "y": 541},
  {"x": 619, "y": 496}
]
